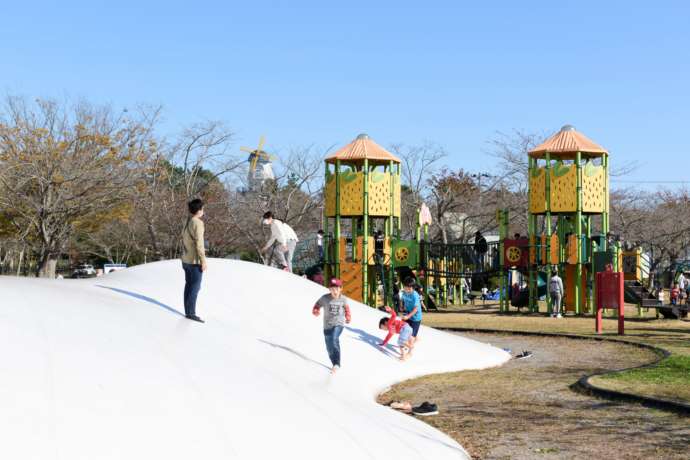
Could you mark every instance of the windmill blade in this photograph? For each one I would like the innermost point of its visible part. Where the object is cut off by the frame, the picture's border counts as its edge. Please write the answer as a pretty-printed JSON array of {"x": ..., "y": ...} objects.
[
  {"x": 252, "y": 163},
  {"x": 262, "y": 140},
  {"x": 247, "y": 149}
]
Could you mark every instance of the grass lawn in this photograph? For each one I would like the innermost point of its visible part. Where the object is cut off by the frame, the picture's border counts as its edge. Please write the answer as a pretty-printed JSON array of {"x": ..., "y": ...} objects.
[{"x": 670, "y": 379}]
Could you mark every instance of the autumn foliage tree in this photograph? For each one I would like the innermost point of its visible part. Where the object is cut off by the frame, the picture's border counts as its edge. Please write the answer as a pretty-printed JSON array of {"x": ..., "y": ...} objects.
[{"x": 67, "y": 169}]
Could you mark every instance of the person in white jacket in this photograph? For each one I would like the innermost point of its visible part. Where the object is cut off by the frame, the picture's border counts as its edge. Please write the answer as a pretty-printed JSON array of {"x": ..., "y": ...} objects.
[
  {"x": 282, "y": 242},
  {"x": 291, "y": 243}
]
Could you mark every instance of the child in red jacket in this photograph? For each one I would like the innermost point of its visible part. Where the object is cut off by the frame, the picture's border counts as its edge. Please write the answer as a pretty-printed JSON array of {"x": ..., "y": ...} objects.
[{"x": 395, "y": 325}]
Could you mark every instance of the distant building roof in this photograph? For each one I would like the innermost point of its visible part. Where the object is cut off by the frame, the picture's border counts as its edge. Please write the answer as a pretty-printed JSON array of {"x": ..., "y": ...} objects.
[
  {"x": 566, "y": 143},
  {"x": 362, "y": 148}
]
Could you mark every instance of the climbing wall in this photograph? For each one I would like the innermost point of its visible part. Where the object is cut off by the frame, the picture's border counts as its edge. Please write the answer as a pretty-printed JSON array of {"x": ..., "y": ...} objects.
[
  {"x": 563, "y": 188},
  {"x": 351, "y": 193},
  {"x": 537, "y": 191},
  {"x": 330, "y": 195},
  {"x": 593, "y": 188},
  {"x": 571, "y": 249},
  {"x": 396, "y": 195},
  {"x": 379, "y": 194},
  {"x": 554, "y": 249},
  {"x": 351, "y": 274}
]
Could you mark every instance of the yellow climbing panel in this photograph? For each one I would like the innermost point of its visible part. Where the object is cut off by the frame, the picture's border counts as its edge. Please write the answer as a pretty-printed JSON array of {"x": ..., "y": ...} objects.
[
  {"x": 593, "y": 191},
  {"x": 563, "y": 188},
  {"x": 537, "y": 191}
]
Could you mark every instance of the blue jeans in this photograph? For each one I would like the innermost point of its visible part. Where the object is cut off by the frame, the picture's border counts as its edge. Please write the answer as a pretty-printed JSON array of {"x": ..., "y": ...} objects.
[
  {"x": 192, "y": 284},
  {"x": 415, "y": 326},
  {"x": 332, "y": 336}
]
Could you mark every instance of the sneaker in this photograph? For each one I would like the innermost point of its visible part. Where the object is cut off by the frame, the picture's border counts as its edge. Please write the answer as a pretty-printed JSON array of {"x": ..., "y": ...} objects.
[
  {"x": 195, "y": 318},
  {"x": 559, "y": 316},
  {"x": 425, "y": 409},
  {"x": 523, "y": 355}
]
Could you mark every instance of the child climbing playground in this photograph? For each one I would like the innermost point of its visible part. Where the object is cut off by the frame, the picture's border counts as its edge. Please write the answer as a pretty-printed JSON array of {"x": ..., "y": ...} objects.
[
  {"x": 336, "y": 314},
  {"x": 395, "y": 325}
]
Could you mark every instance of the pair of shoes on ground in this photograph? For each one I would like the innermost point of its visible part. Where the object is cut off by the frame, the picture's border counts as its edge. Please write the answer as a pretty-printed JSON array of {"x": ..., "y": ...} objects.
[
  {"x": 523, "y": 355},
  {"x": 424, "y": 409},
  {"x": 194, "y": 318},
  {"x": 558, "y": 315}
]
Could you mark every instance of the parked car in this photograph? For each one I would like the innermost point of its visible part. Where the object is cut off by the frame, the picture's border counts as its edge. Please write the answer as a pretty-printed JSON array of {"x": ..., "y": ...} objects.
[{"x": 84, "y": 271}]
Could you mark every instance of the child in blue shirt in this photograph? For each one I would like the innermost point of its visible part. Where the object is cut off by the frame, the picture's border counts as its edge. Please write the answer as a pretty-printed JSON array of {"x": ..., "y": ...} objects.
[{"x": 411, "y": 306}]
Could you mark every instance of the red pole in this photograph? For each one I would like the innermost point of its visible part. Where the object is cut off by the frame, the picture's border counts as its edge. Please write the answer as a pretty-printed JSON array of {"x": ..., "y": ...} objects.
[
  {"x": 621, "y": 306},
  {"x": 597, "y": 322}
]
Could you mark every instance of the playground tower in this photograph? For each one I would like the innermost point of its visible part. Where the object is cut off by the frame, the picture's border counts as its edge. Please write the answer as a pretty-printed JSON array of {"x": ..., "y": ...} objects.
[
  {"x": 568, "y": 192},
  {"x": 362, "y": 185}
]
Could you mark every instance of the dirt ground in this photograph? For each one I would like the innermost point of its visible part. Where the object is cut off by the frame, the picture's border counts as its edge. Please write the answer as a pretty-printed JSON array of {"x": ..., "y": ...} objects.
[{"x": 526, "y": 410}]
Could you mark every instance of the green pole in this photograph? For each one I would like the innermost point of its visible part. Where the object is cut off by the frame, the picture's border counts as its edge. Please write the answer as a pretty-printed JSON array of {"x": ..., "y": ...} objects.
[
  {"x": 593, "y": 247},
  {"x": 426, "y": 275},
  {"x": 399, "y": 227},
  {"x": 506, "y": 225},
  {"x": 502, "y": 231},
  {"x": 605, "y": 214},
  {"x": 365, "y": 236},
  {"x": 531, "y": 229},
  {"x": 336, "y": 234},
  {"x": 326, "y": 239},
  {"x": 389, "y": 229},
  {"x": 578, "y": 268},
  {"x": 590, "y": 263},
  {"x": 418, "y": 231},
  {"x": 501, "y": 255},
  {"x": 548, "y": 224}
]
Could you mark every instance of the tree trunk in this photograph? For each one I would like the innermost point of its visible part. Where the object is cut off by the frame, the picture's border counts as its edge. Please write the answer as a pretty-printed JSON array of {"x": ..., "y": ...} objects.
[
  {"x": 46, "y": 269},
  {"x": 19, "y": 264}
]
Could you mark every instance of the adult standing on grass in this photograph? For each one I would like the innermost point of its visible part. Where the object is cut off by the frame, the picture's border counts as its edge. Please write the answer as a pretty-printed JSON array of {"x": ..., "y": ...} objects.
[
  {"x": 336, "y": 313},
  {"x": 193, "y": 257},
  {"x": 556, "y": 293}
]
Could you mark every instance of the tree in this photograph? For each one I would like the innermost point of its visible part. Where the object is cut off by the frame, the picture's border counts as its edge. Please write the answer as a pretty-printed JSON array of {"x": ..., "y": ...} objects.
[
  {"x": 67, "y": 168},
  {"x": 454, "y": 194}
]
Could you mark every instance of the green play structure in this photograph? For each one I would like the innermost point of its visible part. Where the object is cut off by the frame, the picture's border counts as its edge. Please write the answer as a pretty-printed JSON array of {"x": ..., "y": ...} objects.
[
  {"x": 568, "y": 200},
  {"x": 567, "y": 226}
]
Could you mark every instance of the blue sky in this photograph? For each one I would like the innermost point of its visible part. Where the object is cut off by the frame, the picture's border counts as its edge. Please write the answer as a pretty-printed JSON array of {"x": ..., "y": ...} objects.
[{"x": 313, "y": 73}]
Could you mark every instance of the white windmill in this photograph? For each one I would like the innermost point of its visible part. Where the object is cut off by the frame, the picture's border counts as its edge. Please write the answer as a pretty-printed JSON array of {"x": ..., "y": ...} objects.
[{"x": 260, "y": 166}]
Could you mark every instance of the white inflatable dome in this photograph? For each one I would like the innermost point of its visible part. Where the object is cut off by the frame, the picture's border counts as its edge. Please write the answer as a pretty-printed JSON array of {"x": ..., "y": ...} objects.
[{"x": 108, "y": 368}]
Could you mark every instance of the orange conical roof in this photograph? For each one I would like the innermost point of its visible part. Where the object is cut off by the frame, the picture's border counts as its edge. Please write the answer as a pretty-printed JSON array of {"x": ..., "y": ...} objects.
[
  {"x": 566, "y": 143},
  {"x": 359, "y": 149}
]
